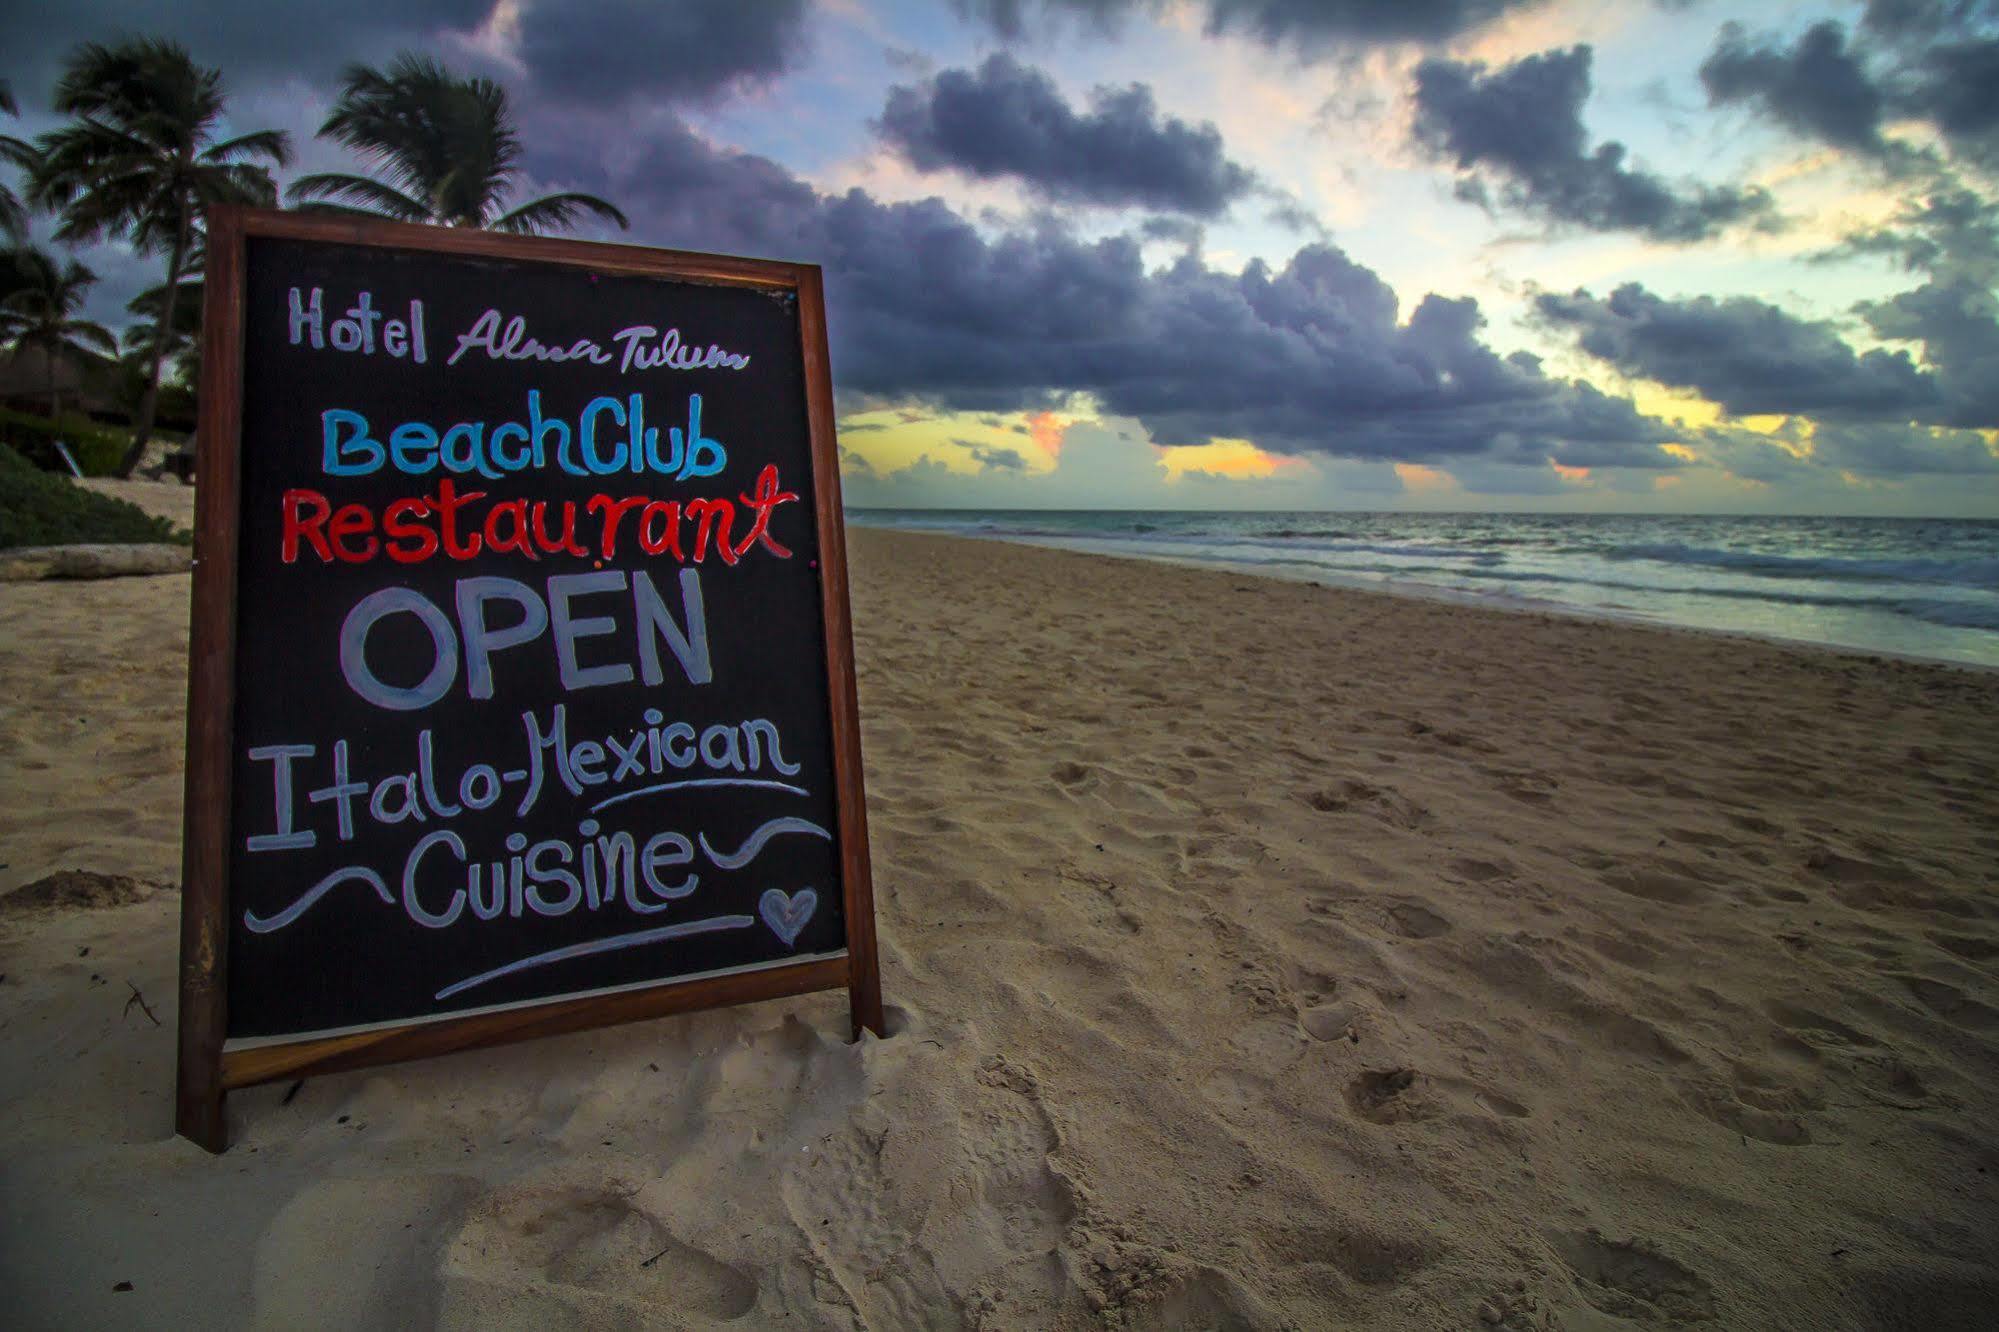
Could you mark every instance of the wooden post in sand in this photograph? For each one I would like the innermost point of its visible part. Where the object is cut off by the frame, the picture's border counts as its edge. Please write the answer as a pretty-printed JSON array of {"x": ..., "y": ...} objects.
[{"x": 521, "y": 693}]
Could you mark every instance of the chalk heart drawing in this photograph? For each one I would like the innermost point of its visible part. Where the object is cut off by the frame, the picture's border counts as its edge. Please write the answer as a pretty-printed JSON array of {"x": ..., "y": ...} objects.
[{"x": 787, "y": 913}]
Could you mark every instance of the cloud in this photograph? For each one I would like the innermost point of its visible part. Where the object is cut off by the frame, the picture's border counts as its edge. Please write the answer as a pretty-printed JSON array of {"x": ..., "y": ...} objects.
[
  {"x": 991, "y": 458},
  {"x": 1952, "y": 234},
  {"x": 1308, "y": 28},
  {"x": 1312, "y": 356},
  {"x": 1523, "y": 124},
  {"x": 1926, "y": 20},
  {"x": 246, "y": 39},
  {"x": 1932, "y": 62},
  {"x": 1956, "y": 88},
  {"x": 1957, "y": 323},
  {"x": 1805, "y": 458},
  {"x": 1749, "y": 357},
  {"x": 1180, "y": 231},
  {"x": 1005, "y": 120},
  {"x": 1889, "y": 452},
  {"x": 1818, "y": 88},
  {"x": 605, "y": 51},
  {"x": 1312, "y": 27}
]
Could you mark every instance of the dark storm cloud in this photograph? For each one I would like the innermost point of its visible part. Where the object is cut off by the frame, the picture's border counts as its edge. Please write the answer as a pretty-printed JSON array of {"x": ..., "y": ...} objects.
[
  {"x": 1957, "y": 323},
  {"x": 1952, "y": 235},
  {"x": 1005, "y": 120},
  {"x": 1311, "y": 26},
  {"x": 1797, "y": 455},
  {"x": 1175, "y": 230},
  {"x": 1891, "y": 451},
  {"x": 1306, "y": 27},
  {"x": 1308, "y": 357},
  {"x": 1752, "y": 358},
  {"x": 1927, "y": 20},
  {"x": 603, "y": 51},
  {"x": 1523, "y": 123},
  {"x": 991, "y": 458},
  {"x": 250, "y": 41},
  {"x": 1937, "y": 63},
  {"x": 1955, "y": 87},
  {"x": 1818, "y": 88}
]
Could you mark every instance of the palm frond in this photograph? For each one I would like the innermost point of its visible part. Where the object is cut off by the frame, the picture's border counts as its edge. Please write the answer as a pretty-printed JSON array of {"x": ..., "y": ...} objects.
[
  {"x": 365, "y": 194},
  {"x": 274, "y": 144},
  {"x": 553, "y": 211},
  {"x": 441, "y": 148},
  {"x": 89, "y": 333}
]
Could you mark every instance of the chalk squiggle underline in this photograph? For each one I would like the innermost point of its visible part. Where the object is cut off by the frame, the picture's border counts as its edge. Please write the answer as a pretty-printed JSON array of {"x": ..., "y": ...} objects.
[
  {"x": 696, "y": 781},
  {"x": 755, "y": 843},
  {"x": 616, "y": 941},
  {"x": 266, "y": 924}
]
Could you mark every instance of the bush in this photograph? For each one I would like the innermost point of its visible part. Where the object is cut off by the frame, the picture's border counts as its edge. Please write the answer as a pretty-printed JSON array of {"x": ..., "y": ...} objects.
[
  {"x": 98, "y": 450},
  {"x": 39, "y": 508}
]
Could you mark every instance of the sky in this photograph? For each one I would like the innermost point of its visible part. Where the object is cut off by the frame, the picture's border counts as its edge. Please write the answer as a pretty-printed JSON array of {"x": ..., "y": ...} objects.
[{"x": 1651, "y": 256}]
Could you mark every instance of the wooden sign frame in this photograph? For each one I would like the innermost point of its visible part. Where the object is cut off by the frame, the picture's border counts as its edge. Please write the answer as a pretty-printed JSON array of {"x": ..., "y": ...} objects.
[{"x": 206, "y": 1070}]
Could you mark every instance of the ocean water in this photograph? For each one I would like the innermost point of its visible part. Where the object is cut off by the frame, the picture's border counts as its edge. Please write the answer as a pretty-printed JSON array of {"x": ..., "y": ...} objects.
[{"x": 1925, "y": 587}]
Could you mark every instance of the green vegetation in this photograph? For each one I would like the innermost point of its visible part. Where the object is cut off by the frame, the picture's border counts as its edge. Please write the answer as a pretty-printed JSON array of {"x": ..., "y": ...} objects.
[
  {"x": 146, "y": 149},
  {"x": 38, "y": 508},
  {"x": 98, "y": 449},
  {"x": 14, "y": 152},
  {"x": 140, "y": 160},
  {"x": 43, "y": 311}
]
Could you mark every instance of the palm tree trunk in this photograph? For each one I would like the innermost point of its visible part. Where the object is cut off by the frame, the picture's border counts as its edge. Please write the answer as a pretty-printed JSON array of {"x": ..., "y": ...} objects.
[{"x": 149, "y": 401}]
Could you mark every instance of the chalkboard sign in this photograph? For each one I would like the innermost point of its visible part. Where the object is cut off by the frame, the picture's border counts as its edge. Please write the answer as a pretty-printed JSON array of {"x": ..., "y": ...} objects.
[{"x": 521, "y": 690}]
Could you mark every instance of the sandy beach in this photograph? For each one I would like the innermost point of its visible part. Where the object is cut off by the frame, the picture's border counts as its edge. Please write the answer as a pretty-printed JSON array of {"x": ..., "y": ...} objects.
[{"x": 1258, "y": 955}]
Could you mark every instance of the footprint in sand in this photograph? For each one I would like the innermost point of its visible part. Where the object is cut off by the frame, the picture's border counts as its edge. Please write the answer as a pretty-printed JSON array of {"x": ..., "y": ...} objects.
[
  {"x": 598, "y": 1245},
  {"x": 1525, "y": 785},
  {"x": 1504, "y": 1106},
  {"x": 1069, "y": 774},
  {"x": 1389, "y": 1096},
  {"x": 1144, "y": 1289},
  {"x": 1374, "y": 801},
  {"x": 1359, "y": 1252},
  {"x": 1967, "y": 946},
  {"x": 1634, "y": 1279},
  {"x": 1658, "y": 886},
  {"x": 1750, "y": 823},
  {"x": 1731, "y": 1108},
  {"x": 1816, "y": 1029},
  {"x": 1480, "y": 871},
  {"x": 1337, "y": 1021},
  {"x": 1413, "y": 920},
  {"x": 1950, "y": 1003}
]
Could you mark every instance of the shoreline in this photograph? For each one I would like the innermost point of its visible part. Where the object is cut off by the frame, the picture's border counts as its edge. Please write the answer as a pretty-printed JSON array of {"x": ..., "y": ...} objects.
[{"x": 1504, "y": 603}]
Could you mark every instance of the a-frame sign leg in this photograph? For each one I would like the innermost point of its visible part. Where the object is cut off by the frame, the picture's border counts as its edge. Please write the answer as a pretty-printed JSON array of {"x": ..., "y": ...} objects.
[
  {"x": 211, "y": 669},
  {"x": 864, "y": 996},
  {"x": 198, "y": 1093}
]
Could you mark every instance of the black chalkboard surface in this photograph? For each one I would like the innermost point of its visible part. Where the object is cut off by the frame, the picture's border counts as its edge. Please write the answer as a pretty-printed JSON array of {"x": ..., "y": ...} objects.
[{"x": 534, "y": 672}]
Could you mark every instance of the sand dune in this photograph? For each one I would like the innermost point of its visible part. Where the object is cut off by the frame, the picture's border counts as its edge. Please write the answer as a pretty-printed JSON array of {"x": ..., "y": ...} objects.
[{"x": 1260, "y": 955}]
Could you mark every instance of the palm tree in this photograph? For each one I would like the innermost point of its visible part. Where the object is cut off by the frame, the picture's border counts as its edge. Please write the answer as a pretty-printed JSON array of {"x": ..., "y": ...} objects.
[
  {"x": 183, "y": 337},
  {"x": 14, "y": 152},
  {"x": 447, "y": 148},
  {"x": 41, "y": 313},
  {"x": 142, "y": 161}
]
